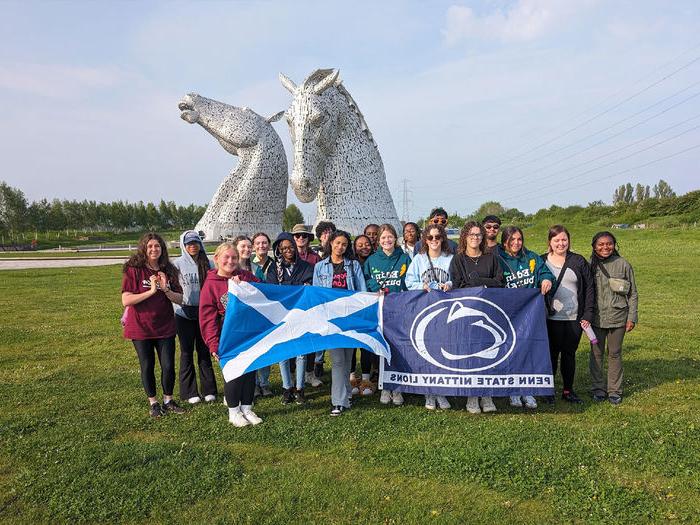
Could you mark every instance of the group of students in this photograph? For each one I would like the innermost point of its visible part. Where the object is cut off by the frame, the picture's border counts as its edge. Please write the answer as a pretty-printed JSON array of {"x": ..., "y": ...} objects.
[{"x": 188, "y": 298}]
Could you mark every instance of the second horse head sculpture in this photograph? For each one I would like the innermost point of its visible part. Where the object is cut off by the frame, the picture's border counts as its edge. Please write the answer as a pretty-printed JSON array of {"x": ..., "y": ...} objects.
[{"x": 335, "y": 157}]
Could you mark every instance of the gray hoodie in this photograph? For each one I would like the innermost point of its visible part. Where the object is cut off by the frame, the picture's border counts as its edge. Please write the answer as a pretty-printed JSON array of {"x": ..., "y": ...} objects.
[{"x": 189, "y": 278}]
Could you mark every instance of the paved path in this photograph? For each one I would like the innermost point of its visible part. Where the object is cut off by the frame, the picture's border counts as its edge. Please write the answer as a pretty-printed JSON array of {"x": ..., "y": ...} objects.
[{"x": 62, "y": 262}]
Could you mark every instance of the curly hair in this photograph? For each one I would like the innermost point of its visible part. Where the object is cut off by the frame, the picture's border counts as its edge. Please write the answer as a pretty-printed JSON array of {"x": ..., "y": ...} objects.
[
  {"x": 349, "y": 252},
  {"x": 444, "y": 245},
  {"x": 464, "y": 235},
  {"x": 139, "y": 259}
]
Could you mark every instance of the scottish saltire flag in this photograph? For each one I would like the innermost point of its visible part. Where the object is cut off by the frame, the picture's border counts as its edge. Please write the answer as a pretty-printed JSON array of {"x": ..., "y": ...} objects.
[
  {"x": 467, "y": 342},
  {"x": 267, "y": 323}
]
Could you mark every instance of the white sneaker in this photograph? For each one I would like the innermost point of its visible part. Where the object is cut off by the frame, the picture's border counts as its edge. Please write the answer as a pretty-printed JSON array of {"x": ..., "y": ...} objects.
[
  {"x": 237, "y": 419},
  {"x": 515, "y": 401},
  {"x": 473, "y": 405},
  {"x": 194, "y": 400},
  {"x": 210, "y": 398},
  {"x": 487, "y": 404},
  {"x": 355, "y": 390},
  {"x": 397, "y": 398},
  {"x": 252, "y": 417},
  {"x": 443, "y": 403},
  {"x": 430, "y": 402},
  {"x": 530, "y": 402},
  {"x": 308, "y": 377},
  {"x": 385, "y": 398}
]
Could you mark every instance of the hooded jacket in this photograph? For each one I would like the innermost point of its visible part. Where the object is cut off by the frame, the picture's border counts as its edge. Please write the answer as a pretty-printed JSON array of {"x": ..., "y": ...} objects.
[
  {"x": 189, "y": 278},
  {"x": 386, "y": 272},
  {"x": 212, "y": 305},
  {"x": 281, "y": 272},
  {"x": 524, "y": 270}
]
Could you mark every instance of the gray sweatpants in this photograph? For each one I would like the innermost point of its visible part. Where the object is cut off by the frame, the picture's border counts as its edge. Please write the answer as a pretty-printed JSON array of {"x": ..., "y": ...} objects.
[
  {"x": 340, "y": 376},
  {"x": 613, "y": 385}
]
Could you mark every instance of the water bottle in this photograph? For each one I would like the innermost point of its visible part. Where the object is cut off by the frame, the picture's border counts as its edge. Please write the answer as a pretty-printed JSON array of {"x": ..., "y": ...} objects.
[{"x": 591, "y": 334}]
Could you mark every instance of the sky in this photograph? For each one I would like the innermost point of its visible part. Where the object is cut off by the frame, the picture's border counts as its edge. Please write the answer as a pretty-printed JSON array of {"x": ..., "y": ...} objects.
[{"x": 525, "y": 102}]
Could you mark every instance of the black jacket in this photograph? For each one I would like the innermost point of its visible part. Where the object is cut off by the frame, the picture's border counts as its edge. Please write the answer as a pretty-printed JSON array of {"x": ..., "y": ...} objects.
[
  {"x": 302, "y": 272},
  {"x": 486, "y": 272},
  {"x": 585, "y": 291}
]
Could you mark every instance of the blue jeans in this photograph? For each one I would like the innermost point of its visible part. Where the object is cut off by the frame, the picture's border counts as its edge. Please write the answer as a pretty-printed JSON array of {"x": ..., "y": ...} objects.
[
  {"x": 286, "y": 373},
  {"x": 262, "y": 378}
]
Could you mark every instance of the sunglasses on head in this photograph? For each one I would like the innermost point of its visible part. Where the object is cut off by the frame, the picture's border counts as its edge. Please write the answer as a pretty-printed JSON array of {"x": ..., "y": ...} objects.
[
  {"x": 433, "y": 237},
  {"x": 438, "y": 220}
]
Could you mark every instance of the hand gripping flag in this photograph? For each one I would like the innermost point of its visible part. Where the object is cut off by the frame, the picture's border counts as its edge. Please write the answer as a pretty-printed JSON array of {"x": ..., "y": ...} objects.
[{"x": 267, "y": 323}]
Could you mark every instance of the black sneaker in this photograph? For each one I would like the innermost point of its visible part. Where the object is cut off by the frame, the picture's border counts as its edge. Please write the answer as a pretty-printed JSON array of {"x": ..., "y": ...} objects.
[
  {"x": 615, "y": 399},
  {"x": 571, "y": 397},
  {"x": 156, "y": 410},
  {"x": 300, "y": 399},
  {"x": 337, "y": 410},
  {"x": 287, "y": 396},
  {"x": 599, "y": 397},
  {"x": 172, "y": 406}
]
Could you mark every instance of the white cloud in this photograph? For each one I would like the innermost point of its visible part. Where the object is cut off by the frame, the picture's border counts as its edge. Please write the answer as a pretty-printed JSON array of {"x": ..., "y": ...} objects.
[
  {"x": 57, "y": 80},
  {"x": 525, "y": 20}
]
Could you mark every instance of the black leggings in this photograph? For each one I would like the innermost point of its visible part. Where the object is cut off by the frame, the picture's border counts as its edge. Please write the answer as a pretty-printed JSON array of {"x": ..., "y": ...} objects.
[
  {"x": 564, "y": 337},
  {"x": 190, "y": 337},
  {"x": 165, "y": 348},
  {"x": 241, "y": 390},
  {"x": 366, "y": 360}
]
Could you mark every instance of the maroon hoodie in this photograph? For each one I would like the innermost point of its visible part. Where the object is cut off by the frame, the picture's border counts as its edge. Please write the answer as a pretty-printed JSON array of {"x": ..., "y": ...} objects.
[{"x": 212, "y": 305}]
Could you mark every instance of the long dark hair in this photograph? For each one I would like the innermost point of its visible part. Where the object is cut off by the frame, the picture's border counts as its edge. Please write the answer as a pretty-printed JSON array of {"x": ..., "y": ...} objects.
[
  {"x": 595, "y": 260},
  {"x": 444, "y": 245},
  {"x": 349, "y": 253},
  {"x": 139, "y": 259},
  {"x": 507, "y": 233},
  {"x": 202, "y": 265},
  {"x": 464, "y": 235}
]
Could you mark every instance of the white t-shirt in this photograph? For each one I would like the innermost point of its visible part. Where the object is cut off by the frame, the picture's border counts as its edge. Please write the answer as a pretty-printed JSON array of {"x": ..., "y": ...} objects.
[{"x": 565, "y": 302}]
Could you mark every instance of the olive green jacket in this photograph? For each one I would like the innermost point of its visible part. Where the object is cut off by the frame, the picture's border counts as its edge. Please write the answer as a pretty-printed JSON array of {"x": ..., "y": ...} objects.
[{"x": 612, "y": 309}]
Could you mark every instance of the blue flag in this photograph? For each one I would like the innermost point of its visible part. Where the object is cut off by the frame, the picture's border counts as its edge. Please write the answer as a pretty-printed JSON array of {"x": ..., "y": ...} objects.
[
  {"x": 267, "y": 323},
  {"x": 467, "y": 342}
]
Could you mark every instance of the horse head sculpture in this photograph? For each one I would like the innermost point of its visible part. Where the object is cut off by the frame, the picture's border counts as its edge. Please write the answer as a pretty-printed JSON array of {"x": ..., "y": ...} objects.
[
  {"x": 254, "y": 195},
  {"x": 335, "y": 157}
]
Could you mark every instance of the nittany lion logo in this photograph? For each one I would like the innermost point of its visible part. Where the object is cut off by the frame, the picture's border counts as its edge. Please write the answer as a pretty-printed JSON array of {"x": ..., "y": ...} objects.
[{"x": 466, "y": 334}]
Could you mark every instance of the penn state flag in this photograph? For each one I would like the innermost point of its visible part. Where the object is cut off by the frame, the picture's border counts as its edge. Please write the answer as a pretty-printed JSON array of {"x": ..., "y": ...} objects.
[
  {"x": 467, "y": 342},
  {"x": 266, "y": 323}
]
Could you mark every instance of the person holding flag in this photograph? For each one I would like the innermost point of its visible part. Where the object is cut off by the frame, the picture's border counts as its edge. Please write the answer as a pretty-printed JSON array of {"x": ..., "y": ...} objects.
[
  {"x": 213, "y": 300},
  {"x": 385, "y": 271}
]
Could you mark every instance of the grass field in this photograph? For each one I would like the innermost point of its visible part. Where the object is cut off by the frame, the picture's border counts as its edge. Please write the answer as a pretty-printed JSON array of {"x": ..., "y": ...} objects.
[{"x": 76, "y": 443}]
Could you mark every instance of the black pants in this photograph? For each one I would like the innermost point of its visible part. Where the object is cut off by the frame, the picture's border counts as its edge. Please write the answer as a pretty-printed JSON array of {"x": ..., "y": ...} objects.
[
  {"x": 190, "y": 338},
  {"x": 366, "y": 360},
  {"x": 564, "y": 337},
  {"x": 240, "y": 391},
  {"x": 165, "y": 348}
]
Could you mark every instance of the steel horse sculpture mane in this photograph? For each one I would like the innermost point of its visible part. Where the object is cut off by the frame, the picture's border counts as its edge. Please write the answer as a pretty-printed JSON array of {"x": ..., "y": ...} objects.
[
  {"x": 335, "y": 157},
  {"x": 253, "y": 196}
]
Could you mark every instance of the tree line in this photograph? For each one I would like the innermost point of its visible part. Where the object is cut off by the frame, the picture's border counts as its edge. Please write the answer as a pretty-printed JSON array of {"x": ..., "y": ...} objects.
[{"x": 19, "y": 215}]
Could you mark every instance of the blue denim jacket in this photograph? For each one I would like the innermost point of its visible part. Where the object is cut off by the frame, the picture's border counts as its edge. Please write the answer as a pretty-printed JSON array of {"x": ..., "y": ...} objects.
[{"x": 323, "y": 274}]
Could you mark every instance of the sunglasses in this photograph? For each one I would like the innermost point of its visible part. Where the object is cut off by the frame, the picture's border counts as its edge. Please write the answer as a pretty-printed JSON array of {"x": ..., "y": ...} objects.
[
  {"x": 433, "y": 237},
  {"x": 300, "y": 235},
  {"x": 491, "y": 226},
  {"x": 438, "y": 220}
]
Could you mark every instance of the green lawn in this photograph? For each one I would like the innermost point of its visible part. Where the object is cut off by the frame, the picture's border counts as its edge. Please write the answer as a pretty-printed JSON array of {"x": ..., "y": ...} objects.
[{"x": 76, "y": 443}]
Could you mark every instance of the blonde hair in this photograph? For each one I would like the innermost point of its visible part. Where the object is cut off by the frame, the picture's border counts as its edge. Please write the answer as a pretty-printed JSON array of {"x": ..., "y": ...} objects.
[
  {"x": 224, "y": 247},
  {"x": 389, "y": 228}
]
